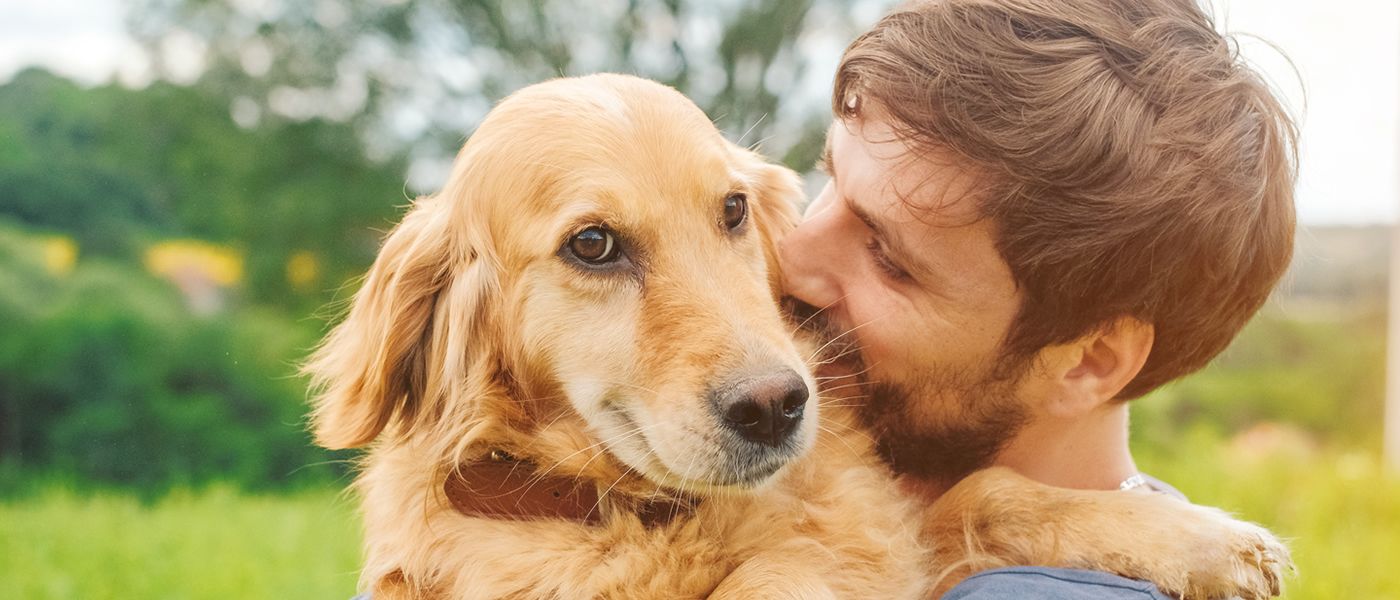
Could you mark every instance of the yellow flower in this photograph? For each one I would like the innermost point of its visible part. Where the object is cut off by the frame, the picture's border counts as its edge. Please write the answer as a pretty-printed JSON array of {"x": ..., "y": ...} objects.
[
  {"x": 60, "y": 254},
  {"x": 218, "y": 264},
  {"x": 303, "y": 269}
]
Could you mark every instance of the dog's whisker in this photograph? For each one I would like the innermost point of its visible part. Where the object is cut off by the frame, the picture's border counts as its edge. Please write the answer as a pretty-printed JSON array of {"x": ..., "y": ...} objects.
[
  {"x": 616, "y": 438},
  {"x": 853, "y": 375},
  {"x": 860, "y": 395},
  {"x": 847, "y": 350},
  {"x": 626, "y": 471},
  {"x": 840, "y": 438},
  {"x": 848, "y": 428},
  {"x": 546, "y": 426},
  {"x": 685, "y": 477},
  {"x": 825, "y": 387},
  {"x": 759, "y": 142},
  {"x": 844, "y": 375},
  {"x": 750, "y": 129},
  {"x": 857, "y": 384},
  {"x": 540, "y": 475},
  {"x": 816, "y": 313},
  {"x": 843, "y": 334},
  {"x": 656, "y": 490},
  {"x": 836, "y": 404}
]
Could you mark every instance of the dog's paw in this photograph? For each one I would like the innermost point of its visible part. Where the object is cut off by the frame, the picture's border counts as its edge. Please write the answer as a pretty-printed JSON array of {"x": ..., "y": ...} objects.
[{"x": 1235, "y": 560}]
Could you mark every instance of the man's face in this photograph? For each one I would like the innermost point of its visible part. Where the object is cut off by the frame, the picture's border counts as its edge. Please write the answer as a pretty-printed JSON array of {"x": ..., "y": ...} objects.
[{"x": 896, "y": 265}]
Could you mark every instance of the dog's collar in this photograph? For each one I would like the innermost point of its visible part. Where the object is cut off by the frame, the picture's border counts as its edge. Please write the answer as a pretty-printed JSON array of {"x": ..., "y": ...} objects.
[{"x": 507, "y": 488}]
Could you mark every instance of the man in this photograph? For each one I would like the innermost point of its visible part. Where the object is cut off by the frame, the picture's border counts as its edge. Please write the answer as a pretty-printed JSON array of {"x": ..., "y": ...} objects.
[{"x": 1037, "y": 212}]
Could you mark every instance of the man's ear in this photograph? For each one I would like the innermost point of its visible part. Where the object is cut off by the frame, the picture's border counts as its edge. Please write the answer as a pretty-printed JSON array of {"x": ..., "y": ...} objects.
[
  {"x": 373, "y": 368},
  {"x": 1093, "y": 369},
  {"x": 779, "y": 192}
]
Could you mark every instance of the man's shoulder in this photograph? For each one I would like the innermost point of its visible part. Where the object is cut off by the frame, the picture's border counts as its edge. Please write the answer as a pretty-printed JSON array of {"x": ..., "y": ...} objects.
[{"x": 1043, "y": 583}]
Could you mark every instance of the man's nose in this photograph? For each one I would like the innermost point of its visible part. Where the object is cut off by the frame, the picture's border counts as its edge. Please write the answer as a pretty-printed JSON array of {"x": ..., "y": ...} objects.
[{"x": 810, "y": 255}]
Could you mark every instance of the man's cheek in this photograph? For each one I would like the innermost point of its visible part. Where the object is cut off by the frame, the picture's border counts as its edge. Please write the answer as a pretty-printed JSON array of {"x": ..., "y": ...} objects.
[{"x": 820, "y": 203}]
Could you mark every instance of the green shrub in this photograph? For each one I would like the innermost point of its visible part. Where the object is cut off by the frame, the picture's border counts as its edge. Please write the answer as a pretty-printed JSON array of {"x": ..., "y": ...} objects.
[{"x": 104, "y": 374}]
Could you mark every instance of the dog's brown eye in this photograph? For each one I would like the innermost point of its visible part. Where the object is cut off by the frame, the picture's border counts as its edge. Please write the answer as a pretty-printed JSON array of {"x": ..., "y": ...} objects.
[
  {"x": 736, "y": 207},
  {"x": 594, "y": 245}
]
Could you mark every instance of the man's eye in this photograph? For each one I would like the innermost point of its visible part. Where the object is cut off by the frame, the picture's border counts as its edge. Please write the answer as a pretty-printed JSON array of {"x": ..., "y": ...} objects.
[{"x": 882, "y": 260}]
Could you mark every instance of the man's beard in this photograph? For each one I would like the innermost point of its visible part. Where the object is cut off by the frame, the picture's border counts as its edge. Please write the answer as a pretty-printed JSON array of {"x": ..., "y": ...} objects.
[
  {"x": 941, "y": 424},
  {"x": 945, "y": 425}
]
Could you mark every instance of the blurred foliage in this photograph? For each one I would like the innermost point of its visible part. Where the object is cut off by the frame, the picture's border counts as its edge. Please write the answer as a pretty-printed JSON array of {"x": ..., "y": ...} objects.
[
  {"x": 118, "y": 169},
  {"x": 426, "y": 71},
  {"x": 1324, "y": 376},
  {"x": 157, "y": 266},
  {"x": 107, "y": 376}
]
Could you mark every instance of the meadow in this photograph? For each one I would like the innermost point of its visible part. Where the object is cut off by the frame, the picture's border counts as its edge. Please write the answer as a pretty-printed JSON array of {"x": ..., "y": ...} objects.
[
  {"x": 213, "y": 543},
  {"x": 1339, "y": 509}
]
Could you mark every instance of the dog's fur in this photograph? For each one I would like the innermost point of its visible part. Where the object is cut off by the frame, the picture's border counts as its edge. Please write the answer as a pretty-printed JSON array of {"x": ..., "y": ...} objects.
[{"x": 475, "y": 332}]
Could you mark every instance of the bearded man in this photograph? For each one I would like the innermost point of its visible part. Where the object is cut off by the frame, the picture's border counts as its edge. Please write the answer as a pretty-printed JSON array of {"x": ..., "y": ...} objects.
[{"x": 1037, "y": 212}]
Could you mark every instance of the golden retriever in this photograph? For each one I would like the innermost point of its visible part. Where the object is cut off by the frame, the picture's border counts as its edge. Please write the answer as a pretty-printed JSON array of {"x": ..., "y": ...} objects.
[{"x": 575, "y": 382}]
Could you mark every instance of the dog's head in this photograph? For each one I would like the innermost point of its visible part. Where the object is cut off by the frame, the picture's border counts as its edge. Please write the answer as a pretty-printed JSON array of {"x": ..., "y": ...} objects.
[{"x": 600, "y": 253}]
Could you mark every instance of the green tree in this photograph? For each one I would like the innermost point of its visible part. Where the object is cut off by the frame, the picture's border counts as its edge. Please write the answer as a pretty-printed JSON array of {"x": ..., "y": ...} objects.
[
  {"x": 425, "y": 71},
  {"x": 105, "y": 375},
  {"x": 117, "y": 168}
]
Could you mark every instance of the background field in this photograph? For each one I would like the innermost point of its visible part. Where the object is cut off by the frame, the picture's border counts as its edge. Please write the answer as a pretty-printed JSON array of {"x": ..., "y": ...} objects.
[
  {"x": 172, "y": 244},
  {"x": 214, "y": 543},
  {"x": 1338, "y": 509}
]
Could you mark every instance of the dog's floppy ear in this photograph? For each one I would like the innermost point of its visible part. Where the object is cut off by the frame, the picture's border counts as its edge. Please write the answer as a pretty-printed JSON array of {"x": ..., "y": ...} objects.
[
  {"x": 374, "y": 367},
  {"x": 779, "y": 191}
]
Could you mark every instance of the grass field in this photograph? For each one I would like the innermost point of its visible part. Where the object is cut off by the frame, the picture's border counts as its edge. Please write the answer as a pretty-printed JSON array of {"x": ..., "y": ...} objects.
[
  {"x": 1342, "y": 514},
  {"x": 1339, "y": 509},
  {"x": 216, "y": 543}
]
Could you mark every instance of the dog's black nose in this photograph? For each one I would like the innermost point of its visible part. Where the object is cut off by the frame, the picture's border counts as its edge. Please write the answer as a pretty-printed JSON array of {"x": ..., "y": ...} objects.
[{"x": 764, "y": 408}]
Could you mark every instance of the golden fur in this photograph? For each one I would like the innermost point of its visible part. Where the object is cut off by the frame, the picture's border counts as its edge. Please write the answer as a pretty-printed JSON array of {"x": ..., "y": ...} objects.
[{"x": 474, "y": 333}]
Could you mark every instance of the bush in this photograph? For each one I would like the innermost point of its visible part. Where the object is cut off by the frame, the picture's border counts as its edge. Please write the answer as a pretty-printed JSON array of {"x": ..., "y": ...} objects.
[
  {"x": 1324, "y": 376},
  {"x": 104, "y": 374}
]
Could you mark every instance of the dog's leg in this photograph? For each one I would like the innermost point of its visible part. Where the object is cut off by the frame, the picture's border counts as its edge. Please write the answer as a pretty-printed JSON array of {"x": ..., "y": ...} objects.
[
  {"x": 790, "y": 571},
  {"x": 998, "y": 518}
]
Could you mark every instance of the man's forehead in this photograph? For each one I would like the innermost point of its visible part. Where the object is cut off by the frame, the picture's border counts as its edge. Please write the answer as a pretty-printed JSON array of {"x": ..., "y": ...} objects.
[{"x": 899, "y": 180}]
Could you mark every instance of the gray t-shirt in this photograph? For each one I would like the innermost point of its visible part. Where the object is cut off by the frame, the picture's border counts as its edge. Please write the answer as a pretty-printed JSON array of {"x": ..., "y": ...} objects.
[{"x": 1044, "y": 583}]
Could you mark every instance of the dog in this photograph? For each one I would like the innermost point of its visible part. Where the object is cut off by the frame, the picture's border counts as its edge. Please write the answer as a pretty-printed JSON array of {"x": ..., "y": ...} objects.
[{"x": 574, "y": 381}]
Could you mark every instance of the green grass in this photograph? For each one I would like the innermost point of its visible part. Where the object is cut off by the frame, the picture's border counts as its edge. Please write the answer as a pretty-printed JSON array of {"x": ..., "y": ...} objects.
[
  {"x": 1341, "y": 512},
  {"x": 216, "y": 543}
]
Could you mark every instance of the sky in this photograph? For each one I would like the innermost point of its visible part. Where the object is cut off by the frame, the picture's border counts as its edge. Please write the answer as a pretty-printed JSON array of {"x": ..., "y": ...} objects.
[{"x": 1343, "y": 82}]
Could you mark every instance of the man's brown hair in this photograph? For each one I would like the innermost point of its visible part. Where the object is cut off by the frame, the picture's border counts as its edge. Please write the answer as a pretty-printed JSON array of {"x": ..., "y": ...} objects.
[{"x": 1134, "y": 165}]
